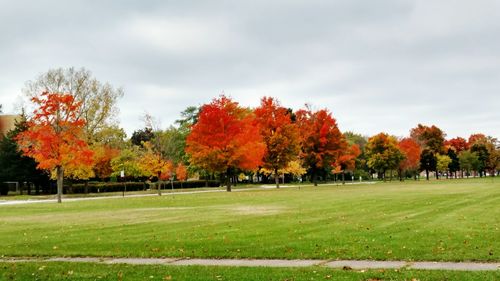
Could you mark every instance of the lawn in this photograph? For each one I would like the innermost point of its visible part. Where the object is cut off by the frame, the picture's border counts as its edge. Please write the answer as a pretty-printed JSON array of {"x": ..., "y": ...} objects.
[
  {"x": 83, "y": 271},
  {"x": 447, "y": 220}
]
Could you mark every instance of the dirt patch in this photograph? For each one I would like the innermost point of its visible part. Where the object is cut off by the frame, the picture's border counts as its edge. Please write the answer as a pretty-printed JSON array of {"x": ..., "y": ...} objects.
[{"x": 257, "y": 210}]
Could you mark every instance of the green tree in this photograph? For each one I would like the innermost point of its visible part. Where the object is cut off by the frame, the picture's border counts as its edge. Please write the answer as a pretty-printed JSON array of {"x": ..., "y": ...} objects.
[
  {"x": 468, "y": 161},
  {"x": 428, "y": 162},
  {"x": 172, "y": 144},
  {"x": 454, "y": 165},
  {"x": 14, "y": 166},
  {"x": 483, "y": 156},
  {"x": 141, "y": 136}
]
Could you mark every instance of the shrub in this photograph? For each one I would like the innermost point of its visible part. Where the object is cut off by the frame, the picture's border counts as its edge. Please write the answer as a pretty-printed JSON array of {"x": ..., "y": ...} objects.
[
  {"x": 96, "y": 187},
  {"x": 4, "y": 188}
]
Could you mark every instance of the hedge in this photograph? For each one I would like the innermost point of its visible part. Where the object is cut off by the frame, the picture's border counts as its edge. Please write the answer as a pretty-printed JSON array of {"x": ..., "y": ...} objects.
[
  {"x": 96, "y": 187},
  {"x": 4, "y": 188}
]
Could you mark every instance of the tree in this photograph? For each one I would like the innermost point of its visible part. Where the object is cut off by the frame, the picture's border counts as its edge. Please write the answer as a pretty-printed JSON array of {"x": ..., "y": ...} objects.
[
  {"x": 428, "y": 162},
  {"x": 97, "y": 100},
  {"x": 280, "y": 136},
  {"x": 189, "y": 117},
  {"x": 172, "y": 144},
  {"x": 103, "y": 155},
  {"x": 442, "y": 163},
  {"x": 321, "y": 140},
  {"x": 431, "y": 138},
  {"x": 111, "y": 137},
  {"x": 475, "y": 138},
  {"x": 14, "y": 166},
  {"x": 141, "y": 136},
  {"x": 483, "y": 155},
  {"x": 152, "y": 163},
  {"x": 454, "y": 165},
  {"x": 347, "y": 160},
  {"x": 295, "y": 169},
  {"x": 383, "y": 153},
  {"x": 54, "y": 136},
  {"x": 411, "y": 151},
  {"x": 128, "y": 162},
  {"x": 458, "y": 144},
  {"x": 181, "y": 173},
  {"x": 225, "y": 138},
  {"x": 468, "y": 161}
]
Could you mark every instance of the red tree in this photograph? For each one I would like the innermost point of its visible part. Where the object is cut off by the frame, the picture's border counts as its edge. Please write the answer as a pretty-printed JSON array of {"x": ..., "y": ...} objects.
[
  {"x": 280, "y": 135},
  {"x": 477, "y": 138},
  {"x": 458, "y": 144},
  {"x": 54, "y": 137},
  {"x": 347, "y": 160},
  {"x": 321, "y": 140},
  {"x": 226, "y": 137},
  {"x": 411, "y": 151}
]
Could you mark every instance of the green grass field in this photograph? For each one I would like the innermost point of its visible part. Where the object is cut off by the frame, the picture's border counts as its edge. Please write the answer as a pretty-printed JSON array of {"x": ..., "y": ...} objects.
[{"x": 455, "y": 220}]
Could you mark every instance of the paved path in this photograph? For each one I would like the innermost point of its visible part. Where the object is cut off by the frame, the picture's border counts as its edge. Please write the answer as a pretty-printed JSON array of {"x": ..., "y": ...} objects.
[
  {"x": 345, "y": 264},
  {"x": 165, "y": 193}
]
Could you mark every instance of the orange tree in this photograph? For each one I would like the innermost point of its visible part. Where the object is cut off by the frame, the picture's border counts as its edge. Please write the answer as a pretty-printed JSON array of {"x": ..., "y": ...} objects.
[
  {"x": 411, "y": 162},
  {"x": 181, "y": 173},
  {"x": 347, "y": 161},
  {"x": 432, "y": 141},
  {"x": 54, "y": 136},
  {"x": 225, "y": 138},
  {"x": 280, "y": 135},
  {"x": 321, "y": 140}
]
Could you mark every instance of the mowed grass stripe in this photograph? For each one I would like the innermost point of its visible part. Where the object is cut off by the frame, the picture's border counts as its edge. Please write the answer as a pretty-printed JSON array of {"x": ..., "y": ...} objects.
[{"x": 449, "y": 220}]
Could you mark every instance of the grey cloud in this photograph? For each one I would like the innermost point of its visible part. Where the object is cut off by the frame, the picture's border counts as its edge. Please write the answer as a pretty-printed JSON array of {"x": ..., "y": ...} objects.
[{"x": 378, "y": 65}]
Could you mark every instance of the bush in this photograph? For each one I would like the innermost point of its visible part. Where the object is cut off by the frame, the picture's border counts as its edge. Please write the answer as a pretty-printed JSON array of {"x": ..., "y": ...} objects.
[
  {"x": 4, "y": 188},
  {"x": 96, "y": 187}
]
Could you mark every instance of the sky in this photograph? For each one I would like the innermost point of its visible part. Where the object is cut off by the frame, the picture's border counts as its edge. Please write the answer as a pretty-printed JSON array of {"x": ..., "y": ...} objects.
[{"x": 376, "y": 65}]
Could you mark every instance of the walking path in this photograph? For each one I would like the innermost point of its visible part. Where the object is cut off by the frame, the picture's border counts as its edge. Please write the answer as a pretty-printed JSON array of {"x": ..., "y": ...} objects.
[
  {"x": 31, "y": 201},
  {"x": 344, "y": 264}
]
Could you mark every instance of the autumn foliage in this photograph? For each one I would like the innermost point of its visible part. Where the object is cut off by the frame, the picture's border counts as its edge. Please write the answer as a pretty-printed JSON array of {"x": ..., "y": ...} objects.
[
  {"x": 54, "y": 137},
  {"x": 347, "y": 160},
  {"x": 280, "y": 135},
  {"x": 411, "y": 151},
  {"x": 226, "y": 137},
  {"x": 321, "y": 140}
]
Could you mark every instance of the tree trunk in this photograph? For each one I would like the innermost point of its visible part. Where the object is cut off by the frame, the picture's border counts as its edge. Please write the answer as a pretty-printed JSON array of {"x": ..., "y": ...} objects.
[
  {"x": 86, "y": 184},
  {"x": 276, "y": 178},
  {"x": 343, "y": 177},
  {"x": 159, "y": 185},
  {"x": 315, "y": 177},
  {"x": 228, "y": 180},
  {"x": 60, "y": 179},
  {"x": 427, "y": 174}
]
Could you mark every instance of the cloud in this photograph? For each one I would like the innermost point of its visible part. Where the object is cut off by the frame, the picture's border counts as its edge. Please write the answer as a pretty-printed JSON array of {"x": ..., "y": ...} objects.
[{"x": 379, "y": 66}]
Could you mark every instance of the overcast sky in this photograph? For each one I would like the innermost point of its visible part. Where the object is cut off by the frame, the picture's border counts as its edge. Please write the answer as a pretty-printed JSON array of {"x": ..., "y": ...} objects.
[{"x": 376, "y": 65}]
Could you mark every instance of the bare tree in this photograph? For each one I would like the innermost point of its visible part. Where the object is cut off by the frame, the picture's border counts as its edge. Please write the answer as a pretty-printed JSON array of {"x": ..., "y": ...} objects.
[{"x": 98, "y": 99}]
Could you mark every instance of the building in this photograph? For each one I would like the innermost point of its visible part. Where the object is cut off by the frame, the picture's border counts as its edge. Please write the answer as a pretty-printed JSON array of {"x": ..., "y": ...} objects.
[{"x": 7, "y": 123}]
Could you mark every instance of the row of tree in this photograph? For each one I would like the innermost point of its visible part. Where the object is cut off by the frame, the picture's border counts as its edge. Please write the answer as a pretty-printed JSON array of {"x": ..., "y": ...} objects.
[{"x": 73, "y": 134}]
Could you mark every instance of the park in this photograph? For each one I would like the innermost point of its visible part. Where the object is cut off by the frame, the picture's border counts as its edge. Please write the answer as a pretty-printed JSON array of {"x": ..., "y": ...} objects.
[
  {"x": 250, "y": 140},
  {"x": 448, "y": 220},
  {"x": 232, "y": 192}
]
